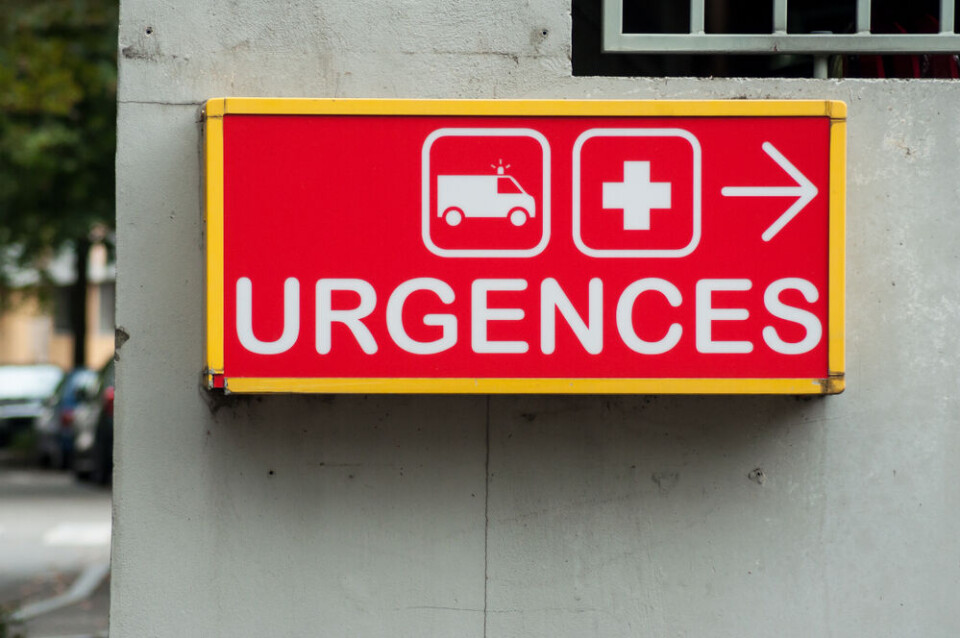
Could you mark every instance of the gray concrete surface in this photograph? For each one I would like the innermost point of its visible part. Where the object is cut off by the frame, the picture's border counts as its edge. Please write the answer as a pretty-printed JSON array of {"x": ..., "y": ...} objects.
[{"x": 525, "y": 516}]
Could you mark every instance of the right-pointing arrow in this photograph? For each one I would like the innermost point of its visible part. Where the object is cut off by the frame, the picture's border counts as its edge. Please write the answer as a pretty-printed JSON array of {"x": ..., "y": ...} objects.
[{"x": 804, "y": 191}]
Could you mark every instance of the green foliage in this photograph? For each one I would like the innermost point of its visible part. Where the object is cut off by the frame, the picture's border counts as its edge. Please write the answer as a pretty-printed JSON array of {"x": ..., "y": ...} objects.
[{"x": 57, "y": 123}]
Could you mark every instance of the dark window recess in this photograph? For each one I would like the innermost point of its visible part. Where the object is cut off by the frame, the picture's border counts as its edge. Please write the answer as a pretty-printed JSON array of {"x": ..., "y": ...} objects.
[
  {"x": 61, "y": 309},
  {"x": 756, "y": 16}
]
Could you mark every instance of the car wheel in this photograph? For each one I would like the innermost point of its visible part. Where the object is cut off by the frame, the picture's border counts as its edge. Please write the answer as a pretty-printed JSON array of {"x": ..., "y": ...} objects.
[
  {"x": 65, "y": 461},
  {"x": 81, "y": 475},
  {"x": 453, "y": 216},
  {"x": 518, "y": 216}
]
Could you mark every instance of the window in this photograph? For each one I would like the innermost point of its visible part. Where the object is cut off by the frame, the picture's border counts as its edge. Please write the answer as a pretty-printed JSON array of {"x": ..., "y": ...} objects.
[
  {"x": 62, "y": 317},
  {"x": 766, "y": 38}
]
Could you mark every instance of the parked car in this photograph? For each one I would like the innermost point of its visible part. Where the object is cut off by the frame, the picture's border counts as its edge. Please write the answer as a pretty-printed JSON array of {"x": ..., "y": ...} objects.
[
  {"x": 23, "y": 389},
  {"x": 55, "y": 426},
  {"x": 93, "y": 441}
]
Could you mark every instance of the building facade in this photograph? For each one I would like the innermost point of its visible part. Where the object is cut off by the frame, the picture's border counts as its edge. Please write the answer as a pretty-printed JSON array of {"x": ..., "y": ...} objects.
[
  {"x": 431, "y": 516},
  {"x": 35, "y": 329}
]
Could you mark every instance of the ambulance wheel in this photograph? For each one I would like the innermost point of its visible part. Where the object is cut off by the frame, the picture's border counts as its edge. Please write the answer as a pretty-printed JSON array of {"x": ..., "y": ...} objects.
[
  {"x": 453, "y": 216},
  {"x": 518, "y": 217}
]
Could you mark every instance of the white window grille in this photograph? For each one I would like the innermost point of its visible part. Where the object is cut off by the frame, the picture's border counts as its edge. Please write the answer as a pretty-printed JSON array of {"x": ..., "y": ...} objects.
[{"x": 778, "y": 40}]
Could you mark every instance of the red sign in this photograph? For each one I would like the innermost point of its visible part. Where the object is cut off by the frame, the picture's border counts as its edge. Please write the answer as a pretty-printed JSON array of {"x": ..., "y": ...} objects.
[{"x": 366, "y": 246}]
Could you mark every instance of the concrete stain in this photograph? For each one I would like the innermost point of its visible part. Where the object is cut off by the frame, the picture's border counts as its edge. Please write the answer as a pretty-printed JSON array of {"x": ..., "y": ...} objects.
[{"x": 666, "y": 480}]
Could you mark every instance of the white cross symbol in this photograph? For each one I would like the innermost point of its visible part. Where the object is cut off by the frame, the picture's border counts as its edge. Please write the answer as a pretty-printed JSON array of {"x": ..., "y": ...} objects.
[{"x": 636, "y": 195}]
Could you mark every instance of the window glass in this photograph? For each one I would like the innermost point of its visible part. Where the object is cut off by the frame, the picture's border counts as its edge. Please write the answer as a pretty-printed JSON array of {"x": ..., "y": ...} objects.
[
  {"x": 61, "y": 309},
  {"x": 731, "y": 17}
]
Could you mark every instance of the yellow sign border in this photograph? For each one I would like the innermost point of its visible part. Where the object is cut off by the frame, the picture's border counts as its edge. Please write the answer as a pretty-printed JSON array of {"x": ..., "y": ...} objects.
[{"x": 215, "y": 109}]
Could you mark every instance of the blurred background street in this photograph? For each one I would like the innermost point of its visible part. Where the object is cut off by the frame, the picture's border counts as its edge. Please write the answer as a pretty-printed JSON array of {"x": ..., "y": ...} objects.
[
  {"x": 58, "y": 83},
  {"x": 54, "y": 552}
]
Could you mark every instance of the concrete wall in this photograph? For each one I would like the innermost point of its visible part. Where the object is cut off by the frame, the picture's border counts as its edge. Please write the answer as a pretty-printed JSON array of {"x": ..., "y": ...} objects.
[{"x": 524, "y": 516}]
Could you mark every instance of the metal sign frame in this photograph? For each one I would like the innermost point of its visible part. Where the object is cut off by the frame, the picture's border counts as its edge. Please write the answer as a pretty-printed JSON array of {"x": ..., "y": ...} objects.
[{"x": 213, "y": 147}]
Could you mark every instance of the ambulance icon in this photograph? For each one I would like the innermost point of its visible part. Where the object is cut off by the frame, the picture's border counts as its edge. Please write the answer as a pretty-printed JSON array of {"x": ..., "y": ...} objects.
[
  {"x": 496, "y": 196},
  {"x": 485, "y": 192}
]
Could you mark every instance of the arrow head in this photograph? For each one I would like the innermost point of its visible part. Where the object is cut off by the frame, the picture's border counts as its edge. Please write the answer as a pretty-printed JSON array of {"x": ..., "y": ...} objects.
[{"x": 804, "y": 191}]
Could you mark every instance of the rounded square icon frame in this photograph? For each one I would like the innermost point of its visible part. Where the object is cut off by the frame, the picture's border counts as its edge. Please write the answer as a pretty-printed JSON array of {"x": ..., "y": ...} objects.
[
  {"x": 425, "y": 192},
  {"x": 632, "y": 132}
]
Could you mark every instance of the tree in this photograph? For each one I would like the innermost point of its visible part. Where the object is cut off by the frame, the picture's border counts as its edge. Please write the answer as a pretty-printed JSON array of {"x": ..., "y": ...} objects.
[{"x": 58, "y": 85}]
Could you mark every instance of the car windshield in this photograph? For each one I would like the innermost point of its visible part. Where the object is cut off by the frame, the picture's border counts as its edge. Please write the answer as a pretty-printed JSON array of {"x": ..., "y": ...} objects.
[
  {"x": 28, "y": 382},
  {"x": 75, "y": 380}
]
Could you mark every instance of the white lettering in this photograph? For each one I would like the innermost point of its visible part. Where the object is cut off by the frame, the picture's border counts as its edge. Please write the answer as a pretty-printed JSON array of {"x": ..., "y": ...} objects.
[
  {"x": 554, "y": 302},
  {"x": 707, "y": 314},
  {"x": 352, "y": 319},
  {"x": 625, "y": 316},
  {"x": 552, "y": 298},
  {"x": 810, "y": 322},
  {"x": 291, "y": 318},
  {"x": 480, "y": 314},
  {"x": 447, "y": 323}
]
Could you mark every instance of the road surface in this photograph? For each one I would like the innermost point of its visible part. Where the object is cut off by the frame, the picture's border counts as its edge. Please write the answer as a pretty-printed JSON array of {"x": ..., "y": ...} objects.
[{"x": 53, "y": 530}]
